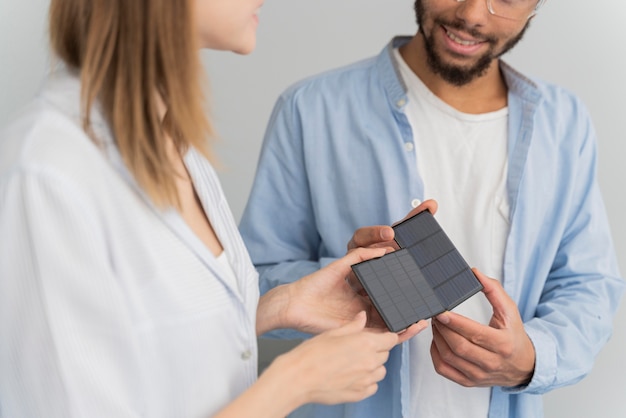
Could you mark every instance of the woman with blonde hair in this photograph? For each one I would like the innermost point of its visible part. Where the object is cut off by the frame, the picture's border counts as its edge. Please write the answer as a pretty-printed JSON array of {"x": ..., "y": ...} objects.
[{"x": 125, "y": 288}]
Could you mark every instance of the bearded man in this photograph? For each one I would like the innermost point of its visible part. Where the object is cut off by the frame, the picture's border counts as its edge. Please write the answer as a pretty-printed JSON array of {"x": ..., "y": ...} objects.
[{"x": 511, "y": 162}]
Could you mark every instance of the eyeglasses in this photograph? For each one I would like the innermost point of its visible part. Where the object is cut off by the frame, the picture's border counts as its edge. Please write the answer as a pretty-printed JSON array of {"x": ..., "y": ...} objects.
[{"x": 513, "y": 9}]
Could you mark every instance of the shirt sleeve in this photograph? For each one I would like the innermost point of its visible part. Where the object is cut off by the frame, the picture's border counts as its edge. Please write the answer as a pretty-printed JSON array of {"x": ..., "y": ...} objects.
[
  {"x": 64, "y": 326},
  {"x": 279, "y": 225},
  {"x": 574, "y": 317}
]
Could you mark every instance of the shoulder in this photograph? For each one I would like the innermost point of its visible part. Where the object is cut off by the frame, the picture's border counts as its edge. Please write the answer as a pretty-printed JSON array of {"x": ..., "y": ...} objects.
[
  {"x": 550, "y": 97},
  {"x": 48, "y": 132},
  {"x": 43, "y": 137},
  {"x": 559, "y": 118},
  {"x": 46, "y": 148},
  {"x": 561, "y": 100}
]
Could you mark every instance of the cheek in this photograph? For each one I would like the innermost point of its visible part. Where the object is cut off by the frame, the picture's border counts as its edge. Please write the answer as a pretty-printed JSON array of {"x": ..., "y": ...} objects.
[
  {"x": 214, "y": 36},
  {"x": 212, "y": 19},
  {"x": 239, "y": 37},
  {"x": 510, "y": 39}
]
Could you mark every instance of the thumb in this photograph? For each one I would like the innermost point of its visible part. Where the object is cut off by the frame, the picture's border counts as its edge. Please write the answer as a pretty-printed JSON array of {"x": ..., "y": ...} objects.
[
  {"x": 342, "y": 266},
  {"x": 494, "y": 291},
  {"x": 362, "y": 254}
]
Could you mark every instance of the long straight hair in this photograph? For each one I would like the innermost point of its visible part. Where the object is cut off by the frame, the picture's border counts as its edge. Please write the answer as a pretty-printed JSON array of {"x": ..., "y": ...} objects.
[{"x": 134, "y": 55}]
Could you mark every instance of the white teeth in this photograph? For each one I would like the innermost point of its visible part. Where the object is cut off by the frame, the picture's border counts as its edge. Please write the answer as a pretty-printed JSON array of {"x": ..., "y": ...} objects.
[{"x": 459, "y": 40}]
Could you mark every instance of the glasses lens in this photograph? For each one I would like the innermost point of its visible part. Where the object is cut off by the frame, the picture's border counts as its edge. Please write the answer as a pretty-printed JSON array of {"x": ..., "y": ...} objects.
[{"x": 513, "y": 9}]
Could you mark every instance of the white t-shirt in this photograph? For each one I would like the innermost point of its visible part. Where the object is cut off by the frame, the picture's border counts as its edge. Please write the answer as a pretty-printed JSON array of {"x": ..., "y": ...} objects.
[{"x": 462, "y": 159}]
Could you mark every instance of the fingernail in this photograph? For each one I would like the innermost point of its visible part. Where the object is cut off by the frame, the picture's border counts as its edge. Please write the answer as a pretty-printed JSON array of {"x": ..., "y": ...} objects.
[
  {"x": 386, "y": 234},
  {"x": 443, "y": 318}
]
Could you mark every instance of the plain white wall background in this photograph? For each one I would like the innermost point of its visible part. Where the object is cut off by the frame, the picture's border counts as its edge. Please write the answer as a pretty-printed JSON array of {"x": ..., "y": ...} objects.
[{"x": 580, "y": 45}]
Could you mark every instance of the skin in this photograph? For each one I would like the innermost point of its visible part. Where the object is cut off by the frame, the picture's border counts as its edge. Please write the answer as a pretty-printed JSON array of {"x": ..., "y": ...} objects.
[
  {"x": 382, "y": 235},
  {"x": 442, "y": 26},
  {"x": 465, "y": 351},
  {"x": 227, "y": 25},
  {"x": 340, "y": 365},
  {"x": 346, "y": 360},
  {"x": 324, "y": 300},
  {"x": 472, "y": 354},
  {"x": 460, "y": 74}
]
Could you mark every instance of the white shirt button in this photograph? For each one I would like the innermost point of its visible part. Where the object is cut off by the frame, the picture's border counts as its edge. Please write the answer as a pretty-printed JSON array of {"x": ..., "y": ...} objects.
[
  {"x": 400, "y": 102},
  {"x": 246, "y": 355},
  {"x": 415, "y": 203},
  {"x": 408, "y": 146}
]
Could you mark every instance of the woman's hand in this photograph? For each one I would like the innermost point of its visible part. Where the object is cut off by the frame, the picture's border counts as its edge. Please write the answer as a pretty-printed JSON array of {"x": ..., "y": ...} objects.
[
  {"x": 332, "y": 296},
  {"x": 324, "y": 300},
  {"x": 340, "y": 365}
]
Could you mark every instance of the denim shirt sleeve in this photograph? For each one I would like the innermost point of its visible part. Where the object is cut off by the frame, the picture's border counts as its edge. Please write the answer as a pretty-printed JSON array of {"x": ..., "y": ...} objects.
[
  {"x": 568, "y": 285},
  {"x": 319, "y": 165},
  {"x": 319, "y": 176},
  {"x": 280, "y": 198}
]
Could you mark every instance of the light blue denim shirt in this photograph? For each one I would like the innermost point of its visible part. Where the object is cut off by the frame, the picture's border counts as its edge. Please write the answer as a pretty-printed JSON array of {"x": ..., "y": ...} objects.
[{"x": 335, "y": 158}]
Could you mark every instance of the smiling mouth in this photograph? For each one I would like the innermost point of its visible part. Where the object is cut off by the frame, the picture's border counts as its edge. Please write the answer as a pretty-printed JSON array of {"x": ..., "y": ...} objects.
[{"x": 460, "y": 41}]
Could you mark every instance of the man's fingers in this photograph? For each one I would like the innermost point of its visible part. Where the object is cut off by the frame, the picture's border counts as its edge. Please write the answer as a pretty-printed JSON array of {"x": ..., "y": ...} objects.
[
  {"x": 480, "y": 335},
  {"x": 382, "y": 235},
  {"x": 494, "y": 292},
  {"x": 430, "y": 205},
  {"x": 371, "y": 235}
]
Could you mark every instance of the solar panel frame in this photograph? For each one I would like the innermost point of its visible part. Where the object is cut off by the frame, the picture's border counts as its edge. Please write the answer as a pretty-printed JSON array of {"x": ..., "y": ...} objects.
[{"x": 425, "y": 277}]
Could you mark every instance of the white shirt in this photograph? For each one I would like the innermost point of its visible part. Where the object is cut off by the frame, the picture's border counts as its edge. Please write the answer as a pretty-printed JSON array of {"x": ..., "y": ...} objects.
[
  {"x": 451, "y": 148},
  {"x": 108, "y": 305}
]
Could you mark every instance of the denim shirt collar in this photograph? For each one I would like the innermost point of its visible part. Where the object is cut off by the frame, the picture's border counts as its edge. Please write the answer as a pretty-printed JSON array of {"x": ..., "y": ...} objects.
[
  {"x": 518, "y": 84},
  {"x": 524, "y": 96},
  {"x": 396, "y": 89}
]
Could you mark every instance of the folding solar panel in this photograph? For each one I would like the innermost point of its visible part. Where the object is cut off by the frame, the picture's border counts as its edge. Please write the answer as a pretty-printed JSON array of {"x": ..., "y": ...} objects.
[{"x": 425, "y": 277}]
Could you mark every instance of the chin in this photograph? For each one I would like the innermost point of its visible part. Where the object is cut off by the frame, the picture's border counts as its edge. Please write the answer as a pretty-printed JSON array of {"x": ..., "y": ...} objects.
[
  {"x": 242, "y": 47},
  {"x": 244, "y": 50}
]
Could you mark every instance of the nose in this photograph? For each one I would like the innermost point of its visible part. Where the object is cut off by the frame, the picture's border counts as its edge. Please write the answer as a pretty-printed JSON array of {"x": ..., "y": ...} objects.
[{"x": 473, "y": 12}]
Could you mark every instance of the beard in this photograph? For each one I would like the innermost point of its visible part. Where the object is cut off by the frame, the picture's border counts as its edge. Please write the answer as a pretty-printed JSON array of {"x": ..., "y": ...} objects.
[{"x": 455, "y": 74}]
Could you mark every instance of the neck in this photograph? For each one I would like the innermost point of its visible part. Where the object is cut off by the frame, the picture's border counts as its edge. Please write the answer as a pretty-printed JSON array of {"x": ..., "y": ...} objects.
[{"x": 486, "y": 93}]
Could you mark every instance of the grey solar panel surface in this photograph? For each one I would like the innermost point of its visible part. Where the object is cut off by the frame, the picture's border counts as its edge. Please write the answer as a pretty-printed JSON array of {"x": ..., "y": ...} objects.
[{"x": 424, "y": 278}]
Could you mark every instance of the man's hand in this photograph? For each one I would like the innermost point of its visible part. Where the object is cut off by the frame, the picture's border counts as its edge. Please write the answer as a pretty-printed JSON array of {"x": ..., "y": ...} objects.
[
  {"x": 381, "y": 236},
  {"x": 472, "y": 354}
]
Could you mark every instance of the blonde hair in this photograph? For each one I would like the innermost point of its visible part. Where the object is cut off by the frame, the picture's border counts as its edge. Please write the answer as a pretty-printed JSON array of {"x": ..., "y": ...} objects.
[{"x": 131, "y": 54}]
